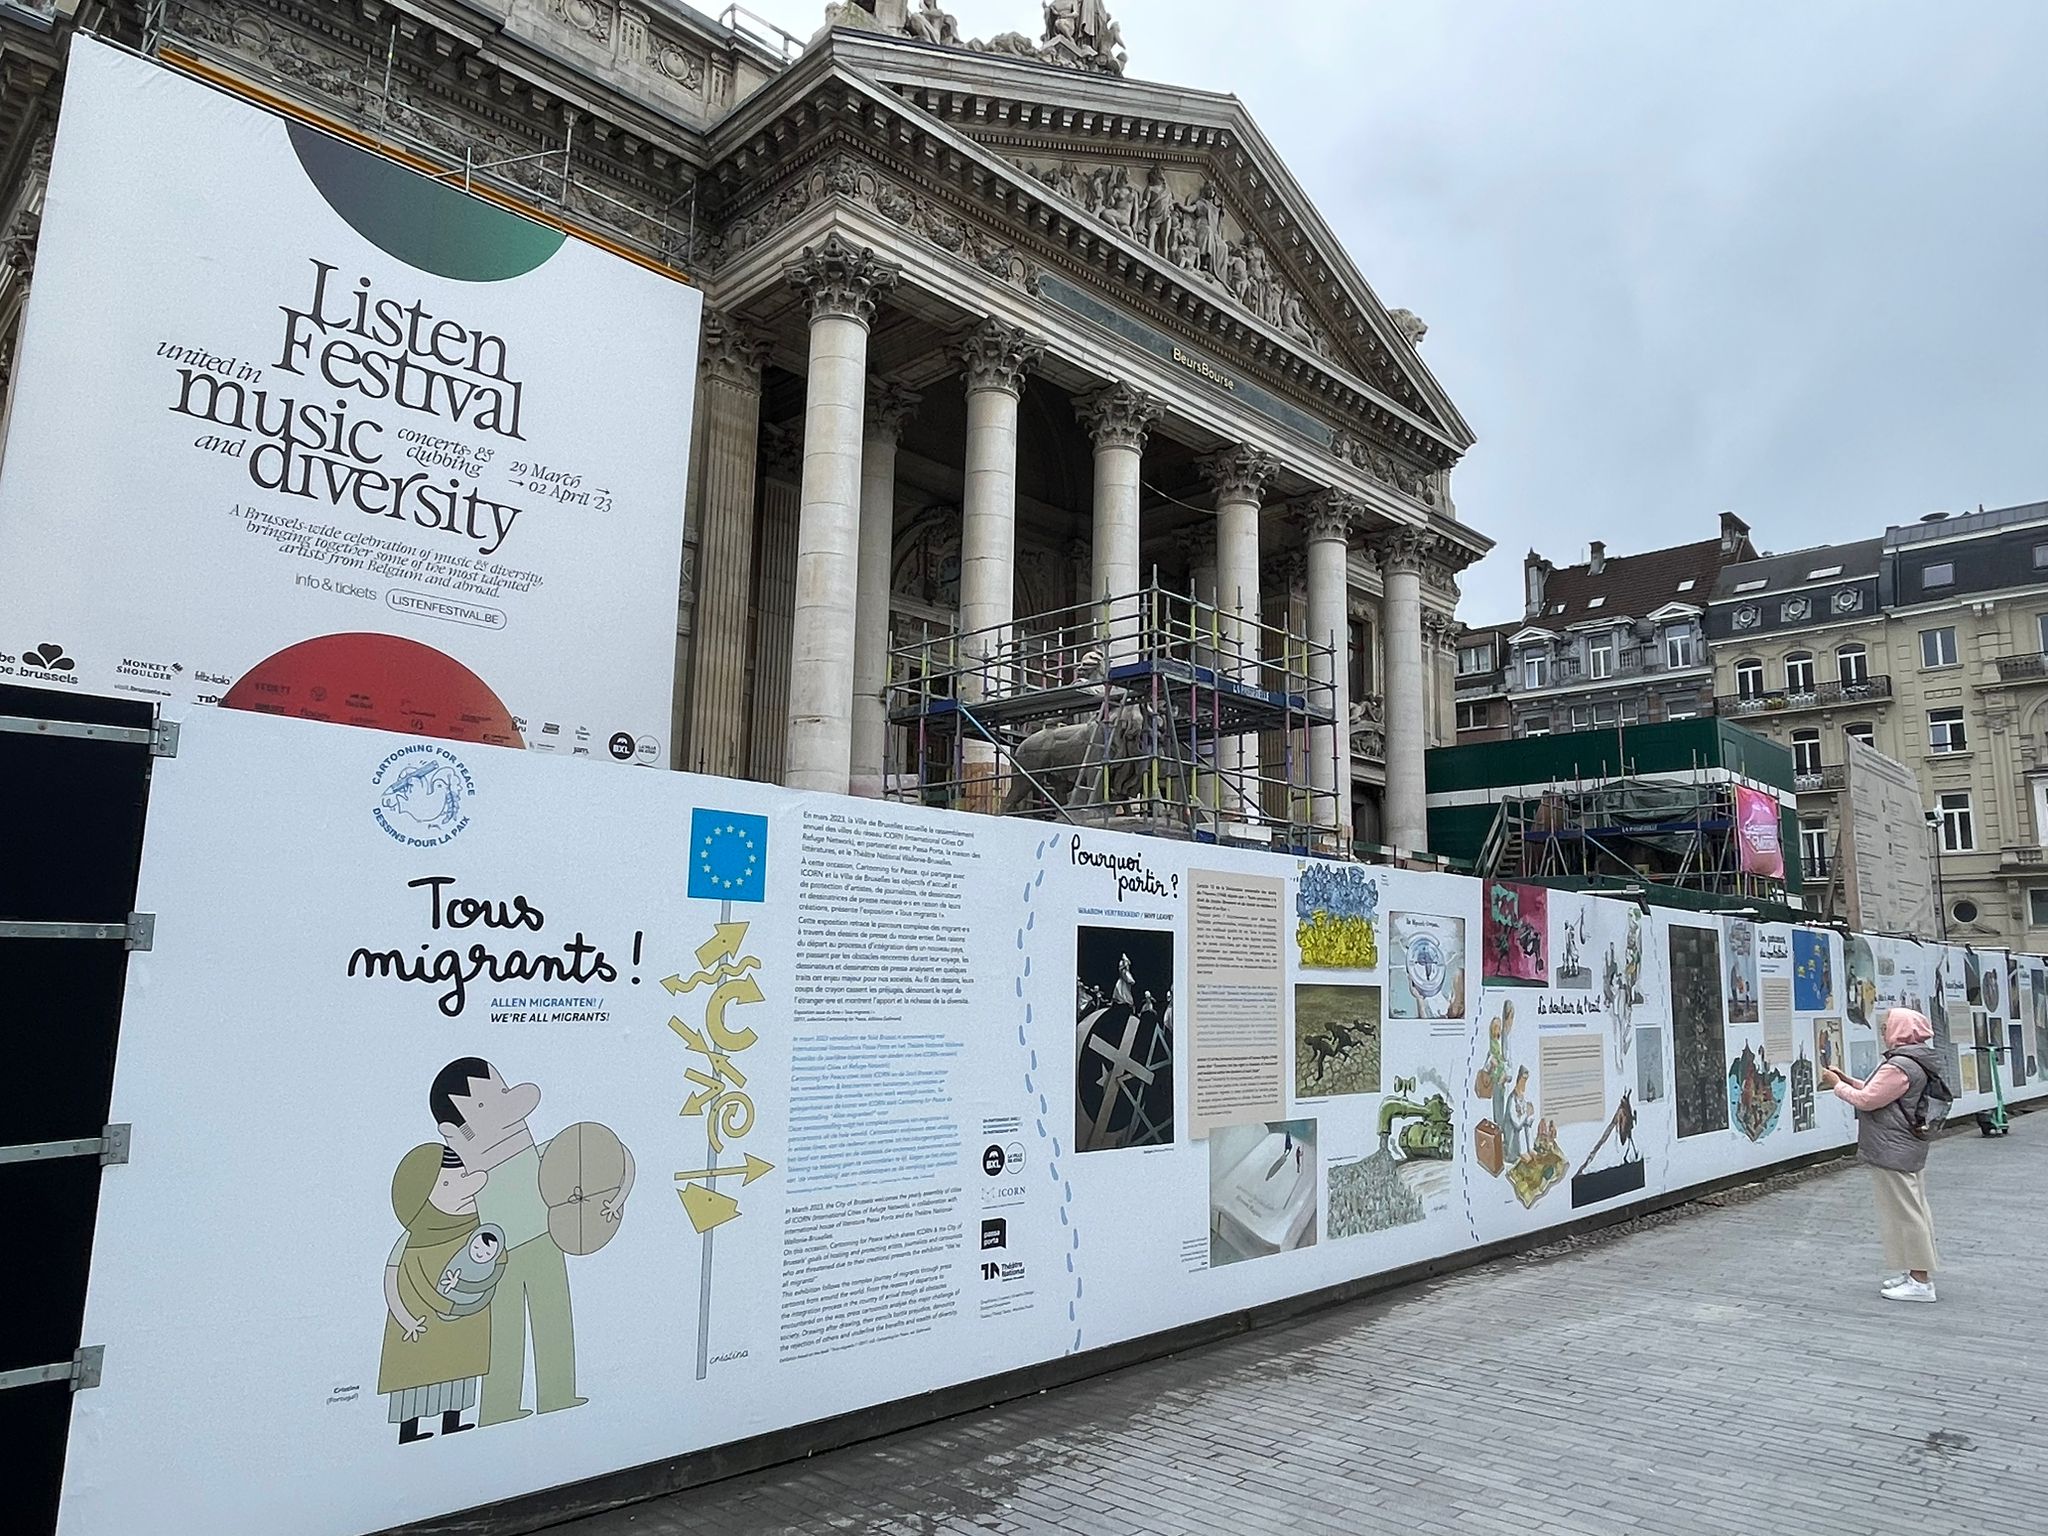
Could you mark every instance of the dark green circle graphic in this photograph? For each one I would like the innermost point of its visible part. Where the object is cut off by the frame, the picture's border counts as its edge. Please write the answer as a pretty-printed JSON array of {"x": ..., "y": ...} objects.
[{"x": 437, "y": 228}]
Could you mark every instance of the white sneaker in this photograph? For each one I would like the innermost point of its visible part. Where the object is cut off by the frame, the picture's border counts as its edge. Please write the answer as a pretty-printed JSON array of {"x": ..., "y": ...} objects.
[
  {"x": 1891, "y": 1280},
  {"x": 1910, "y": 1289}
]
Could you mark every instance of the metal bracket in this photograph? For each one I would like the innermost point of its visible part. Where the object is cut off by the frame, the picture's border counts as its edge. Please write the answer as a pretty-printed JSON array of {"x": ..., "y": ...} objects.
[
  {"x": 82, "y": 1370},
  {"x": 139, "y": 932},
  {"x": 110, "y": 1147},
  {"x": 161, "y": 738}
]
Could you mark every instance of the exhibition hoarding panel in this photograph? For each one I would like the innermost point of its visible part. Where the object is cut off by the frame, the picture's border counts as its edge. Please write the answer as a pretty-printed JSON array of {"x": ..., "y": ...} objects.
[
  {"x": 1885, "y": 845},
  {"x": 569, "y": 1122},
  {"x": 300, "y": 430}
]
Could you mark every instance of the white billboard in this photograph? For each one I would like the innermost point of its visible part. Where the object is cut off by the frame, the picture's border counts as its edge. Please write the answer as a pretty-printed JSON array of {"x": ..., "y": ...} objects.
[
  {"x": 299, "y": 430},
  {"x": 500, "y": 1125},
  {"x": 1886, "y": 845}
]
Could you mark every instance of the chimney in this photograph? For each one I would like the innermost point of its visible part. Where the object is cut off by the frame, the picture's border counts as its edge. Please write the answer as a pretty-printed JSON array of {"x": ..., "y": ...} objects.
[
  {"x": 1598, "y": 562},
  {"x": 1535, "y": 569},
  {"x": 1734, "y": 531}
]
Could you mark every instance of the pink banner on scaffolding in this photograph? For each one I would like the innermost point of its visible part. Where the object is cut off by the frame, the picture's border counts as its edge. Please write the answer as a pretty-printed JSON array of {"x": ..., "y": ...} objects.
[{"x": 1756, "y": 825}]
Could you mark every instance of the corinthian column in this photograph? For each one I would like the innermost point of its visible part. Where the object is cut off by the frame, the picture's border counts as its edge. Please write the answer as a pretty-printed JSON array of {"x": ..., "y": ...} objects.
[
  {"x": 1402, "y": 555},
  {"x": 995, "y": 357},
  {"x": 1328, "y": 522},
  {"x": 729, "y": 408},
  {"x": 1240, "y": 476},
  {"x": 840, "y": 283},
  {"x": 1118, "y": 419},
  {"x": 890, "y": 408}
]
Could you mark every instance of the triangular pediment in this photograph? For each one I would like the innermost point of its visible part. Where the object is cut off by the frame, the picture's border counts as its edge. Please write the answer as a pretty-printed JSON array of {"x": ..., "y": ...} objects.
[{"x": 1187, "y": 179}]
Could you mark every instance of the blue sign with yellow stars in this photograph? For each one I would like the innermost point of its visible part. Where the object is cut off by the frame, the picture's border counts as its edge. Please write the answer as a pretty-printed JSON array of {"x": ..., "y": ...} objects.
[{"x": 728, "y": 856}]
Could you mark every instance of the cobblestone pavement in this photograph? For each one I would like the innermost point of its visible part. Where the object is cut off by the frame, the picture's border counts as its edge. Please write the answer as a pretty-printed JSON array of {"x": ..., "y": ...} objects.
[{"x": 1726, "y": 1370}]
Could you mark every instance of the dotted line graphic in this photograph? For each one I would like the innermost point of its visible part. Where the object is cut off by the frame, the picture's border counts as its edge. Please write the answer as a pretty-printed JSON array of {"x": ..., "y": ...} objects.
[
  {"x": 1033, "y": 1091},
  {"x": 1470, "y": 1161}
]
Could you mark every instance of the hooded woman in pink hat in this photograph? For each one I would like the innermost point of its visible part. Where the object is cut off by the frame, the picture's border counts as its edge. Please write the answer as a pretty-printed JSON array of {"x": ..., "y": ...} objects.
[{"x": 1896, "y": 1157}]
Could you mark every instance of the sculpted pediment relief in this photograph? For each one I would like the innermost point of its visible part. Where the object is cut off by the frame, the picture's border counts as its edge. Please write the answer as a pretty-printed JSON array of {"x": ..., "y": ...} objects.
[{"x": 1180, "y": 215}]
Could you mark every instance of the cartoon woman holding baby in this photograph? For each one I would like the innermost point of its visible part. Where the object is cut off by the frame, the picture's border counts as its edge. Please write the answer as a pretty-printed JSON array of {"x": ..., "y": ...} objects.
[{"x": 437, "y": 1290}]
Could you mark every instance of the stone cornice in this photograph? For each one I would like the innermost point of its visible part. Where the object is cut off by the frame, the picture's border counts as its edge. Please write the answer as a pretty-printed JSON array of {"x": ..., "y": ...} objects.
[
  {"x": 1118, "y": 417},
  {"x": 997, "y": 356},
  {"x": 840, "y": 279}
]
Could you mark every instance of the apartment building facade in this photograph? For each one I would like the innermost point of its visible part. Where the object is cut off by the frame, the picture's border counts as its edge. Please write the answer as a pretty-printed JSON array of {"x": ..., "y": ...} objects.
[
  {"x": 1930, "y": 644},
  {"x": 1618, "y": 640}
]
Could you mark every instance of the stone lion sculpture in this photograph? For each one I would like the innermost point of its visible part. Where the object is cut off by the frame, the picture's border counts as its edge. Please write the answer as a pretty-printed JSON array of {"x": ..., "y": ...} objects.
[{"x": 1065, "y": 761}]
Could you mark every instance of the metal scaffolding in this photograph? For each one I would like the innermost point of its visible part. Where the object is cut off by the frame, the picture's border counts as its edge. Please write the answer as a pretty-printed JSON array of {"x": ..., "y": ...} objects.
[{"x": 1155, "y": 712}]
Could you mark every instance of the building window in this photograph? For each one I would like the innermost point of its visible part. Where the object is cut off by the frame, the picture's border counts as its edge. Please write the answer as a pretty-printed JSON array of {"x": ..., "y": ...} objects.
[
  {"x": 1813, "y": 849},
  {"x": 1678, "y": 649},
  {"x": 1604, "y": 716},
  {"x": 1852, "y": 665},
  {"x": 1631, "y": 711},
  {"x": 2042, "y": 625},
  {"x": 1933, "y": 577},
  {"x": 2040, "y": 564},
  {"x": 1361, "y": 659},
  {"x": 1600, "y": 657},
  {"x": 1749, "y": 678},
  {"x": 1964, "y": 911},
  {"x": 1862, "y": 731},
  {"x": 1474, "y": 659},
  {"x": 1536, "y": 670},
  {"x": 1582, "y": 717},
  {"x": 1799, "y": 672},
  {"x": 1958, "y": 825},
  {"x": 1945, "y": 731},
  {"x": 1685, "y": 711},
  {"x": 2037, "y": 898},
  {"x": 1938, "y": 647},
  {"x": 1806, "y": 753},
  {"x": 1536, "y": 725},
  {"x": 1472, "y": 717}
]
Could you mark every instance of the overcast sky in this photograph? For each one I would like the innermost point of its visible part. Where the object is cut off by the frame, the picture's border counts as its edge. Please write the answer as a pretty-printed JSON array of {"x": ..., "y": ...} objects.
[{"x": 1788, "y": 257}]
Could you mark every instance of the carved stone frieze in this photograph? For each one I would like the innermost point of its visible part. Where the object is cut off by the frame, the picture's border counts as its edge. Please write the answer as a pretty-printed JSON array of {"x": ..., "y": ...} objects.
[
  {"x": 997, "y": 356},
  {"x": 1079, "y": 34},
  {"x": 1118, "y": 417},
  {"x": 1181, "y": 217},
  {"x": 782, "y": 449},
  {"x": 1383, "y": 465},
  {"x": 1369, "y": 728},
  {"x": 837, "y": 277}
]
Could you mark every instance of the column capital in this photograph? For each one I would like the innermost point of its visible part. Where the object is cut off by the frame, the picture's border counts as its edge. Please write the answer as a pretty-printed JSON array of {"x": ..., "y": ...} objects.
[
  {"x": 997, "y": 356},
  {"x": 1286, "y": 571},
  {"x": 1440, "y": 627},
  {"x": 837, "y": 277},
  {"x": 1118, "y": 417},
  {"x": 1240, "y": 472},
  {"x": 1200, "y": 543},
  {"x": 1332, "y": 516},
  {"x": 782, "y": 449},
  {"x": 889, "y": 410},
  {"x": 733, "y": 352},
  {"x": 1401, "y": 551}
]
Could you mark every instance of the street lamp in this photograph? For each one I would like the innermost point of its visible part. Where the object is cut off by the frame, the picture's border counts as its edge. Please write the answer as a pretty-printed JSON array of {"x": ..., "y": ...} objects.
[{"x": 1940, "y": 901}]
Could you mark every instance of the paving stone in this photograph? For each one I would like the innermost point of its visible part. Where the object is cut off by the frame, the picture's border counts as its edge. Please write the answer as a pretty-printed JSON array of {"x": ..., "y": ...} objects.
[{"x": 1728, "y": 1369}]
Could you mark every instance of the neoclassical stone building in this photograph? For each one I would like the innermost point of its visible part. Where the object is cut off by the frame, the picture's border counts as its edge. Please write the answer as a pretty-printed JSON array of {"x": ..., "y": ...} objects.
[{"x": 992, "y": 329}]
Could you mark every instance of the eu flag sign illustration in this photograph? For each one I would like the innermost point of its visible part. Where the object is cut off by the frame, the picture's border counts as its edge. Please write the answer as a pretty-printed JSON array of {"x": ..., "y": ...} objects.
[{"x": 728, "y": 856}]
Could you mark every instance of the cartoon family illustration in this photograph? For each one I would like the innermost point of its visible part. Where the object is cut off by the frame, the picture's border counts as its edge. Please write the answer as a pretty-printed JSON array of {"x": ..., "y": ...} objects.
[{"x": 490, "y": 1217}]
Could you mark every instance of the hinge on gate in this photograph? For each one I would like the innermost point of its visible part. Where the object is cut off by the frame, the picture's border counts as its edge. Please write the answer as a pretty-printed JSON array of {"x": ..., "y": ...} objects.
[
  {"x": 82, "y": 1370},
  {"x": 163, "y": 738},
  {"x": 138, "y": 932},
  {"x": 111, "y": 1147}
]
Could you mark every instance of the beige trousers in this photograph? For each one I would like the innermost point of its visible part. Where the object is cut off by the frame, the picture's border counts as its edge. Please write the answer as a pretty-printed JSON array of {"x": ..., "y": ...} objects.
[{"x": 1904, "y": 1221}]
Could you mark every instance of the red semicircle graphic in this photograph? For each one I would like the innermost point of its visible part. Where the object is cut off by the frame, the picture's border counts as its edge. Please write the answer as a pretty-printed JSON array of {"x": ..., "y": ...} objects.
[{"x": 383, "y": 681}]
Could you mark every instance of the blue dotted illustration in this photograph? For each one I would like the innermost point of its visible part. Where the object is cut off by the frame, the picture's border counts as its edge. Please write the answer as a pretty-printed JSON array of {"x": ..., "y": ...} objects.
[{"x": 1033, "y": 1092}]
